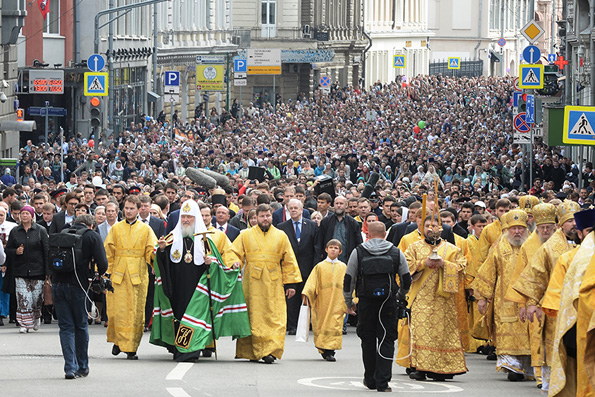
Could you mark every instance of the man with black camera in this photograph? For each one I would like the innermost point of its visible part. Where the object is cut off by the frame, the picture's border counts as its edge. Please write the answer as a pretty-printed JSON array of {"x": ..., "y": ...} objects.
[
  {"x": 372, "y": 270},
  {"x": 69, "y": 290}
]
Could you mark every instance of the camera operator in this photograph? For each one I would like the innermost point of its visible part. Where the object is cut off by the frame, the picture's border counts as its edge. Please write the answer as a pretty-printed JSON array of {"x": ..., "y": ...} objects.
[
  {"x": 372, "y": 270},
  {"x": 70, "y": 291}
]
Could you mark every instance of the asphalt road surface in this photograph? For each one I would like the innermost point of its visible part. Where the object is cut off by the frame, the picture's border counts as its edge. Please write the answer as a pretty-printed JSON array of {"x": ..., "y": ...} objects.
[{"x": 31, "y": 364}]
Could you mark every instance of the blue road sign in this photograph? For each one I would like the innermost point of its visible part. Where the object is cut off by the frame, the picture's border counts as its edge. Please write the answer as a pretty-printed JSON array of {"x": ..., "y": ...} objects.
[
  {"x": 40, "y": 111},
  {"x": 551, "y": 58},
  {"x": 515, "y": 98},
  {"x": 172, "y": 78},
  {"x": 454, "y": 63},
  {"x": 399, "y": 61},
  {"x": 325, "y": 81},
  {"x": 531, "y": 54},
  {"x": 502, "y": 42},
  {"x": 578, "y": 125},
  {"x": 520, "y": 123},
  {"x": 530, "y": 118},
  {"x": 96, "y": 63},
  {"x": 531, "y": 76},
  {"x": 240, "y": 66}
]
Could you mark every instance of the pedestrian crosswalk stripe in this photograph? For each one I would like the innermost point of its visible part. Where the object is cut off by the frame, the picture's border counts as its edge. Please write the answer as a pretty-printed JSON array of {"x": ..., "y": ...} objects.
[
  {"x": 531, "y": 77},
  {"x": 582, "y": 126},
  {"x": 95, "y": 85}
]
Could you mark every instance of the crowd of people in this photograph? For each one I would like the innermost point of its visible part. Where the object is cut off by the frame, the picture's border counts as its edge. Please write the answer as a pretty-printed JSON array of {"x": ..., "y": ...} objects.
[{"x": 420, "y": 175}]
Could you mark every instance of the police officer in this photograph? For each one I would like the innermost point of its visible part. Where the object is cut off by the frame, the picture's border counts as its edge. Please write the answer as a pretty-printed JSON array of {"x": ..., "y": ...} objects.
[
  {"x": 69, "y": 290},
  {"x": 372, "y": 270}
]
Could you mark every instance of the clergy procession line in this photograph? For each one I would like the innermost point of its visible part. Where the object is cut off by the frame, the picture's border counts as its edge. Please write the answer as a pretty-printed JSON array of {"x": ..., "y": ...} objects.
[
  {"x": 403, "y": 206},
  {"x": 519, "y": 289}
]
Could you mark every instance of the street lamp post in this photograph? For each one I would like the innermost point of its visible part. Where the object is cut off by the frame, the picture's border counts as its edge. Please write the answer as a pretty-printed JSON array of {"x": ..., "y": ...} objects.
[{"x": 111, "y": 10}]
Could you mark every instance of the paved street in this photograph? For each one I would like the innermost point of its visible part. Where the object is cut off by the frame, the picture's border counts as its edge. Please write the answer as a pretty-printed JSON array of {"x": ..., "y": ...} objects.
[{"x": 32, "y": 363}]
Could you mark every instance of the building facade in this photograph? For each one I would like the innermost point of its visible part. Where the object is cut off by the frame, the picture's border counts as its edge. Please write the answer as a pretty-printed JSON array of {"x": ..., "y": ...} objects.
[
  {"x": 187, "y": 29},
  {"x": 13, "y": 14},
  {"x": 470, "y": 29},
  {"x": 396, "y": 28}
]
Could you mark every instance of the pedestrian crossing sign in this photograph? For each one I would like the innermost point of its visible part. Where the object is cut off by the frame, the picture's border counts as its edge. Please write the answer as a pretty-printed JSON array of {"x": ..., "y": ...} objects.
[
  {"x": 579, "y": 124},
  {"x": 399, "y": 61},
  {"x": 96, "y": 84},
  {"x": 454, "y": 63},
  {"x": 531, "y": 76}
]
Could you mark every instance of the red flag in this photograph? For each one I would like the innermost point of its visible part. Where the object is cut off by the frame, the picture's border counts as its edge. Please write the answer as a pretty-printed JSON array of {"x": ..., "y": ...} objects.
[{"x": 44, "y": 7}]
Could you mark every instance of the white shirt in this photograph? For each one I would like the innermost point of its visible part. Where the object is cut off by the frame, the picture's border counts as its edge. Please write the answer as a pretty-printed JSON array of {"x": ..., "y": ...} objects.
[
  {"x": 68, "y": 218},
  {"x": 147, "y": 219},
  {"x": 220, "y": 227}
]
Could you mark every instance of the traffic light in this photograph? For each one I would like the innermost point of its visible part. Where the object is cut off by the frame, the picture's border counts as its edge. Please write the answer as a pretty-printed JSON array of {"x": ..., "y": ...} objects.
[
  {"x": 550, "y": 81},
  {"x": 20, "y": 114},
  {"x": 523, "y": 103},
  {"x": 96, "y": 116}
]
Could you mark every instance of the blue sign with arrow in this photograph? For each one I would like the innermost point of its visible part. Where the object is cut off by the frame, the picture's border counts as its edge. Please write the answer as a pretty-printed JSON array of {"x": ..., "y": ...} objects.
[
  {"x": 531, "y": 54},
  {"x": 96, "y": 63},
  {"x": 551, "y": 58},
  {"x": 530, "y": 117}
]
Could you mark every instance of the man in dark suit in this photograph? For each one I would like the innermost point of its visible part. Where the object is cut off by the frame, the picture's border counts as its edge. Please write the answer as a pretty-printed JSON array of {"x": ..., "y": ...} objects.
[
  {"x": 302, "y": 236},
  {"x": 64, "y": 219},
  {"x": 158, "y": 227},
  {"x": 220, "y": 223},
  {"x": 341, "y": 226},
  {"x": 282, "y": 214}
]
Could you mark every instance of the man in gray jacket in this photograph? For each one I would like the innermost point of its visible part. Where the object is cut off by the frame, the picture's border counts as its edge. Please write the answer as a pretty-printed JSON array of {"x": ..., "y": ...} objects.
[{"x": 372, "y": 269}]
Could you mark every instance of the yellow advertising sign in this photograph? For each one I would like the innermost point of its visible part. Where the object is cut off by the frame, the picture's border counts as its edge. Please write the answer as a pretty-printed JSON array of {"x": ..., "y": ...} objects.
[
  {"x": 264, "y": 69},
  {"x": 210, "y": 77}
]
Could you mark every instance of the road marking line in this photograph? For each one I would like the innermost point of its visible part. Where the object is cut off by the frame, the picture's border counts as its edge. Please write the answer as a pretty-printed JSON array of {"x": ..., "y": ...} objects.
[
  {"x": 179, "y": 371},
  {"x": 177, "y": 391}
]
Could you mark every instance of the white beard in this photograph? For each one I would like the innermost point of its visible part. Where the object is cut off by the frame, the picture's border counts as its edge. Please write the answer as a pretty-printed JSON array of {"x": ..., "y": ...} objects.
[
  {"x": 187, "y": 231},
  {"x": 516, "y": 243}
]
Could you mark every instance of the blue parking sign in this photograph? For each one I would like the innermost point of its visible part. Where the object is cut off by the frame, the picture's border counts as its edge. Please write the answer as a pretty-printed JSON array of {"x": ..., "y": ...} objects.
[
  {"x": 240, "y": 66},
  {"x": 172, "y": 78}
]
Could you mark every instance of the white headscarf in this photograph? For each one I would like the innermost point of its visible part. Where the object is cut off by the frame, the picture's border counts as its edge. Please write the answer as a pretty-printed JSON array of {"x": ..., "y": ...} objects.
[{"x": 189, "y": 207}]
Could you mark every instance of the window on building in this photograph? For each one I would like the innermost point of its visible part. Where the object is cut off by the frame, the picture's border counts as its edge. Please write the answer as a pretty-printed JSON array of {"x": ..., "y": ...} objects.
[
  {"x": 51, "y": 24},
  {"x": 269, "y": 18}
]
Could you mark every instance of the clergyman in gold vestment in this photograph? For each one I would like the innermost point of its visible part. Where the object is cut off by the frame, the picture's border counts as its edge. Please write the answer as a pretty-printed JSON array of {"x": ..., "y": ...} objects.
[
  {"x": 129, "y": 247},
  {"x": 268, "y": 263}
]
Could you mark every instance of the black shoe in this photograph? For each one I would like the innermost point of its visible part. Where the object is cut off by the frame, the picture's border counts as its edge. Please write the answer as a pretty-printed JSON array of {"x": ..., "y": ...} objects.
[
  {"x": 409, "y": 370},
  {"x": 147, "y": 329},
  {"x": 131, "y": 356},
  {"x": 344, "y": 331},
  {"x": 1, "y": 322},
  {"x": 268, "y": 359},
  {"x": 539, "y": 386},
  {"x": 329, "y": 355},
  {"x": 47, "y": 321},
  {"x": 12, "y": 322},
  {"x": 291, "y": 331},
  {"x": 371, "y": 386},
  {"x": 83, "y": 372},
  {"x": 71, "y": 375},
  {"x": 440, "y": 377},
  {"x": 492, "y": 357},
  {"x": 89, "y": 321},
  {"x": 479, "y": 350},
  {"x": 116, "y": 350},
  {"x": 514, "y": 377},
  {"x": 207, "y": 353},
  {"x": 417, "y": 375},
  {"x": 388, "y": 389}
]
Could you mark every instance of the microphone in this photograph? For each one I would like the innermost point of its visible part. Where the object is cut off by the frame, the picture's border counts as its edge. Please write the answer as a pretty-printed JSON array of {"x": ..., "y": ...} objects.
[{"x": 369, "y": 188}]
